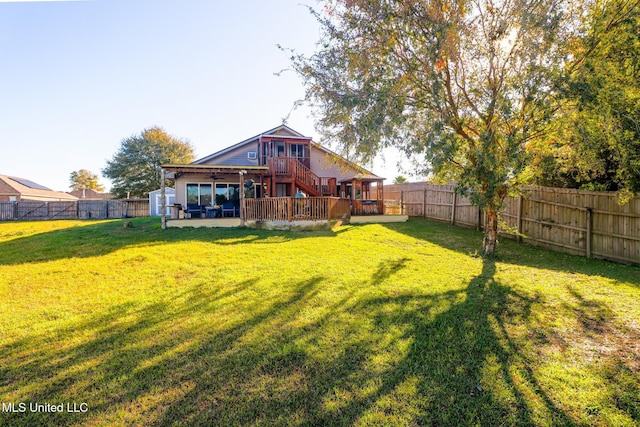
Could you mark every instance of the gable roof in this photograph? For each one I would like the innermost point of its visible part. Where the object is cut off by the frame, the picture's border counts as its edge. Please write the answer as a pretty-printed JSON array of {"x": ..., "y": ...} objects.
[
  {"x": 29, "y": 189},
  {"x": 283, "y": 131}
]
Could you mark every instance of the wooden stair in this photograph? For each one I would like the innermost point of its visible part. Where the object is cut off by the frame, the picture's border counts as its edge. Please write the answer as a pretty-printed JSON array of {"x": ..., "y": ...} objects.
[{"x": 303, "y": 177}]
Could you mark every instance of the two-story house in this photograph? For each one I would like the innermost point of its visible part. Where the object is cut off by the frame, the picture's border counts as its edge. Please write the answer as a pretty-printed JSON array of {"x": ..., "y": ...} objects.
[{"x": 277, "y": 163}]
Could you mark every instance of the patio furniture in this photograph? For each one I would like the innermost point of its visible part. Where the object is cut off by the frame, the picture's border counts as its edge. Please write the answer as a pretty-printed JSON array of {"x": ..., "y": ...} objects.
[
  {"x": 193, "y": 211},
  {"x": 229, "y": 207}
]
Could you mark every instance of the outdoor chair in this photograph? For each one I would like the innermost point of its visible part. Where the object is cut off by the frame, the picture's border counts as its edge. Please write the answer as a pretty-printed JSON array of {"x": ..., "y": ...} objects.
[
  {"x": 194, "y": 210},
  {"x": 228, "y": 207}
]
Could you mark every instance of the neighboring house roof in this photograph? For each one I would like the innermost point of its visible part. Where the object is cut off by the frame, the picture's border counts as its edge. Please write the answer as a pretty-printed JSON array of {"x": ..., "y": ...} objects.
[
  {"x": 29, "y": 190},
  {"x": 90, "y": 194}
]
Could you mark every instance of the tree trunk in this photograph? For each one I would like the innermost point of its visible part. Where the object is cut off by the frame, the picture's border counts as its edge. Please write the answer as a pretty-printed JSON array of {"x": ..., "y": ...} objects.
[{"x": 490, "y": 241}]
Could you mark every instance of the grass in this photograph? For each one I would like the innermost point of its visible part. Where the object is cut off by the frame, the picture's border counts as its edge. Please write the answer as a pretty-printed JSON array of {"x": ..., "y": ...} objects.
[{"x": 396, "y": 324}]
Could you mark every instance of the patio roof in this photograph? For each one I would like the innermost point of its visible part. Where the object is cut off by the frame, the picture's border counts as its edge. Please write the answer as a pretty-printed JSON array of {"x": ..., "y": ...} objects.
[
  {"x": 207, "y": 169},
  {"x": 363, "y": 177}
]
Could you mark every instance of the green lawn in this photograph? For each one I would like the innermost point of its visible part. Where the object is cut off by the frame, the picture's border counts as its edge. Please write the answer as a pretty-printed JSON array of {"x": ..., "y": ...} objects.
[{"x": 396, "y": 324}]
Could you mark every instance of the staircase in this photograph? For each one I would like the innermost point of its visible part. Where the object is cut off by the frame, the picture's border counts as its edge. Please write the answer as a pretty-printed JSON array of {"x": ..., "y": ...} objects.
[{"x": 303, "y": 177}]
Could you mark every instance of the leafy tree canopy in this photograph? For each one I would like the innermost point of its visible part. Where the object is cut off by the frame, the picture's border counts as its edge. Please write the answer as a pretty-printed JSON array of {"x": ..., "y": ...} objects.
[
  {"x": 135, "y": 167},
  {"x": 399, "y": 179},
  {"x": 84, "y": 180},
  {"x": 467, "y": 86},
  {"x": 597, "y": 143}
]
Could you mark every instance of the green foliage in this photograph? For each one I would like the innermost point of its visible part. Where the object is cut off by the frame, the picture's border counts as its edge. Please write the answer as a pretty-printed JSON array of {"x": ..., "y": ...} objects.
[
  {"x": 84, "y": 180},
  {"x": 399, "y": 179},
  {"x": 394, "y": 324},
  {"x": 597, "y": 145},
  {"x": 465, "y": 87},
  {"x": 135, "y": 168}
]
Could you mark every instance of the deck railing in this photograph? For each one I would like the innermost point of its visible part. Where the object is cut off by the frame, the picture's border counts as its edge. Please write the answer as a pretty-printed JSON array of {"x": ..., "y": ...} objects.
[
  {"x": 367, "y": 207},
  {"x": 296, "y": 209}
]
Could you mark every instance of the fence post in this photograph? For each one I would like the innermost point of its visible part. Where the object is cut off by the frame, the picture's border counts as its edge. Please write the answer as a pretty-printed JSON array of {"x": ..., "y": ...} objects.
[
  {"x": 15, "y": 210},
  {"x": 424, "y": 203},
  {"x": 479, "y": 226},
  {"x": 401, "y": 202},
  {"x": 588, "y": 215},
  {"x": 453, "y": 209},
  {"x": 519, "y": 225}
]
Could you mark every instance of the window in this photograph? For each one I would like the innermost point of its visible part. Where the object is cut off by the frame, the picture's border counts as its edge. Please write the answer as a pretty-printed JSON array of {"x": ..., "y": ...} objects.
[
  {"x": 253, "y": 191},
  {"x": 297, "y": 150},
  {"x": 199, "y": 194},
  {"x": 229, "y": 191},
  {"x": 300, "y": 152}
]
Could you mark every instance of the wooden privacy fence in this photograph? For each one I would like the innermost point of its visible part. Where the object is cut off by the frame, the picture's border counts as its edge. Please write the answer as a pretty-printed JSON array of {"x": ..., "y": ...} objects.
[
  {"x": 296, "y": 209},
  {"x": 78, "y": 209},
  {"x": 587, "y": 223}
]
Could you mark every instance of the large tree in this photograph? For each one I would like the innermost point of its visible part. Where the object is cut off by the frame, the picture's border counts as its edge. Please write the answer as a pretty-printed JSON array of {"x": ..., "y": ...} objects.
[
  {"x": 135, "y": 167},
  {"x": 466, "y": 85},
  {"x": 84, "y": 180},
  {"x": 597, "y": 144}
]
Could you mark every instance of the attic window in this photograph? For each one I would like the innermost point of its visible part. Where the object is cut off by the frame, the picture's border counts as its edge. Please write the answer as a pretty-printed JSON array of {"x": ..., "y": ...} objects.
[{"x": 252, "y": 155}]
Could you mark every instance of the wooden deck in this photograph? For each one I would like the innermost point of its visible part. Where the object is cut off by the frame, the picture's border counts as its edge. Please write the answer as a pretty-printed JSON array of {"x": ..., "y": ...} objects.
[
  {"x": 291, "y": 213},
  {"x": 296, "y": 209}
]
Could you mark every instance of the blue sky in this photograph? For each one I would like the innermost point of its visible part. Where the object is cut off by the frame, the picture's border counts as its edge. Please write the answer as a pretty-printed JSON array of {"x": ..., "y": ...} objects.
[{"x": 79, "y": 76}]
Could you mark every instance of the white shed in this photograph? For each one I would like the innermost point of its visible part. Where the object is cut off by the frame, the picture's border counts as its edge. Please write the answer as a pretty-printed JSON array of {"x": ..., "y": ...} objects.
[{"x": 155, "y": 201}]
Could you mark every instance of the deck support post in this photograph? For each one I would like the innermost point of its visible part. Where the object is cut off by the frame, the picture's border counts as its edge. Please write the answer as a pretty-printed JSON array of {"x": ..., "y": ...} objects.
[{"x": 163, "y": 201}]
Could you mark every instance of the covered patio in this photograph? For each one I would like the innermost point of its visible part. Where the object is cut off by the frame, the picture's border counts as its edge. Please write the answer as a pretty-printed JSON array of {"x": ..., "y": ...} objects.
[{"x": 366, "y": 193}]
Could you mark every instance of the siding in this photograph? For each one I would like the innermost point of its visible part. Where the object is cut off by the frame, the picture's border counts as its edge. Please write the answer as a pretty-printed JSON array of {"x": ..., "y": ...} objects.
[
  {"x": 326, "y": 165},
  {"x": 236, "y": 157}
]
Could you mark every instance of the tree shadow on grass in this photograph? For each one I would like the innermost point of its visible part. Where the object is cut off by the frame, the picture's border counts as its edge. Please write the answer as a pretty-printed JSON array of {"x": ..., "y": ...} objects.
[
  {"x": 290, "y": 359},
  {"x": 463, "y": 364},
  {"x": 469, "y": 242},
  {"x": 451, "y": 362},
  {"x": 131, "y": 355},
  {"x": 293, "y": 358},
  {"x": 103, "y": 237}
]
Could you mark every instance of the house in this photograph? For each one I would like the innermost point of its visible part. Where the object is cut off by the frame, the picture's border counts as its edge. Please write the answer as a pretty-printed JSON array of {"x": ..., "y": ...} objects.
[
  {"x": 13, "y": 189},
  {"x": 155, "y": 201},
  {"x": 90, "y": 194},
  {"x": 277, "y": 163}
]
